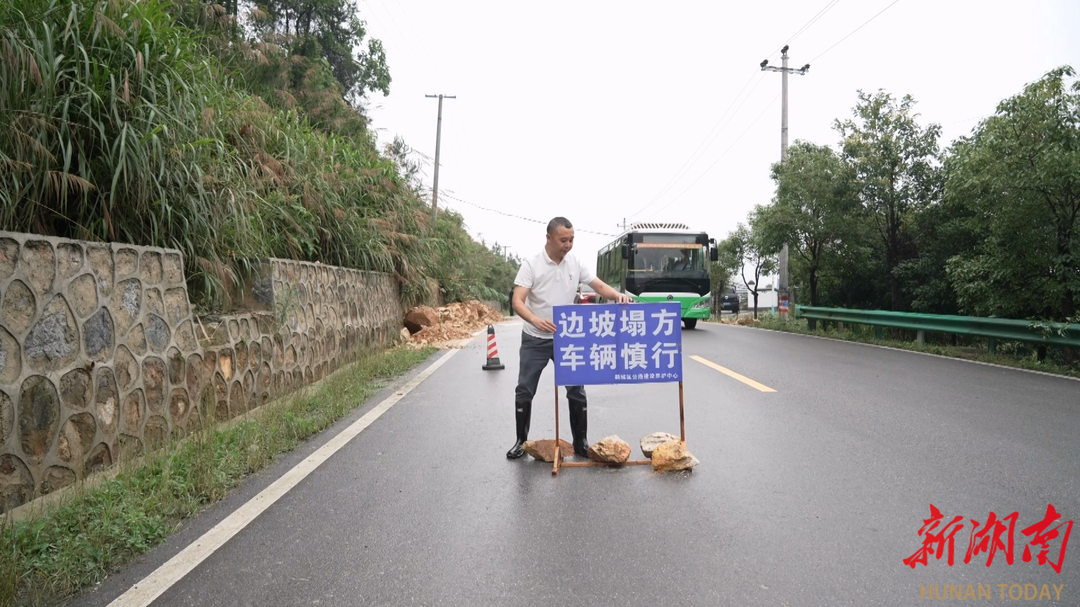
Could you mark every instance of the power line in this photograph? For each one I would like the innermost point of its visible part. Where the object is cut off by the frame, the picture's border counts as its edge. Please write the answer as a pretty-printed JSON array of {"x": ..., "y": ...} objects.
[
  {"x": 854, "y": 30},
  {"x": 812, "y": 21},
  {"x": 709, "y": 137},
  {"x": 709, "y": 168},
  {"x": 703, "y": 146},
  {"x": 505, "y": 214}
]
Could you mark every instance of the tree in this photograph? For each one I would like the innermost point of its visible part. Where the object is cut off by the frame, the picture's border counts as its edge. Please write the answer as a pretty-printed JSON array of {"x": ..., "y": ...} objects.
[
  {"x": 814, "y": 205},
  {"x": 897, "y": 170},
  {"x": 747, "y": 248},
  {"x": 1020, "y": 173},
  {"x": 329, "y": 30}
]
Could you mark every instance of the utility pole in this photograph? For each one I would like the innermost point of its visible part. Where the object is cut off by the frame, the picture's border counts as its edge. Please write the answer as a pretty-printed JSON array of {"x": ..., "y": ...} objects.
[
  {"x": 438, "y": 144},
  {"x": 784, "y": 71}
]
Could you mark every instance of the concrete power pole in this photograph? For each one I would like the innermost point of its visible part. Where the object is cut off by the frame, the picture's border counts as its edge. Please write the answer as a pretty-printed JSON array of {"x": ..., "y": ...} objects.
[
  {"x": 784, "y": 71},
  {"x": 438, "y": 145}
]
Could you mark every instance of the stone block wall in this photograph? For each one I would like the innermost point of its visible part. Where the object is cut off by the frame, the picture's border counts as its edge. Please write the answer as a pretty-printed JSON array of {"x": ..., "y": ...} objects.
[{"x": 101, "y": 358}]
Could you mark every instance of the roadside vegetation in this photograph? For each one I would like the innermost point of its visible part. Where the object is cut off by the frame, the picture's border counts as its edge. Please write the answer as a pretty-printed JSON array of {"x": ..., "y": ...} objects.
[
  {"x": 101, "y": 526},
  {"x": 885, "y": 219},
  {"x": 232, "y": 132}
]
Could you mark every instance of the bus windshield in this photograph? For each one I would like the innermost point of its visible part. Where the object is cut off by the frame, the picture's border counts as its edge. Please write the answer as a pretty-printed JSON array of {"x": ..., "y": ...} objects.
[{"x": 668, "y": 257}]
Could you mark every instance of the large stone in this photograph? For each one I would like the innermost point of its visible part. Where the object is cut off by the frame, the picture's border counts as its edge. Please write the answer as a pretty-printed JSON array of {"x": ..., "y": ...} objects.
[
  {"x": 7, "y": 417},
  {"x": 19, "y": 308},
  {"x": 221, "y": 398},
  {"x": 98, "y": 336},
  {"x": 56, "y": 478},
  {"x": 127, "y": 304},
  {"x": 10, "y": 359},
  {"x": 39, "y": 417},
  {"x": 39, "y": 265},
  {"x": 279, "y": 351},
  {"x": 76, "y": 390},
  {"x": 254, "y": 354},
  {"x": 154, "y": 376},
  {"x": 225, "y": 363},
  {"x": 179, "y": 405},
  {"x": 136, "y": 340},
  {"x": 157, "y": 333},
  {"x": 153, "y": 302},
  {"x": 156, "y": 432},
  {"x": 150, "y": 267},
  {"x": 69, "y": 259},
  {"x": 76, "y": 437},
  {"x": 672, "y": 456},
  {"x": 127, "y": 262},
  {"x": 83, "y": 294},
  {"x": 194, "y": 375},
  {"x": 241, "y": 355},
  {"x": 176, "y": 306},
  {"x": 173, "y": 269},
  {"x": 53, "y": 343},
  {"x": 262, "y": 380},
  {"x": 132, "y": 412},
  {"x": 175, "y": 361},
  {"x": 238, "y": 400},
  {"x": 126, "y": 367},
  {"x": 16, "y": 484},
  {"x": 610, "y": 449},
  {"x": 9, "y": 257},
  {"x": 101, "y": 263},
  {"x": 650, "y": 442},
  {"x": 99, "y": 459},
  {"x": 420, "y": 317},
  {"x": 107, "y": 400},
  {"x": 128, "y": 447},
  {"x": 185, "y": 337},
  {"x": 544, "y": 449}
]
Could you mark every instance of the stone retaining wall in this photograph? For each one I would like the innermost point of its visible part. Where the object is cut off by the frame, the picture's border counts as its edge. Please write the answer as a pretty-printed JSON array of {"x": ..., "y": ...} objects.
[{"x": 100, "y": 357}]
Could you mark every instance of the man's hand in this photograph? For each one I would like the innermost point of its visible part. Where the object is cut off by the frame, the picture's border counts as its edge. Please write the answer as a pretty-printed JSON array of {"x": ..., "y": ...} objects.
[
  {"x": 544, "y": 325},
  {"x": 608, "y": 292}
]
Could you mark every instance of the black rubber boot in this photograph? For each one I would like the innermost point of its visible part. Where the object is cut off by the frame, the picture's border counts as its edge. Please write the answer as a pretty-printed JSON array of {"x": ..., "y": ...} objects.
[
  {"x": 522, "y": 415},
  {"x": 579, "y": 427}
]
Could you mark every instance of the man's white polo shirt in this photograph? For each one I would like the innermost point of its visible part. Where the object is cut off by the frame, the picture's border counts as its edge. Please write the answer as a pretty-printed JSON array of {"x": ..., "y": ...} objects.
[{"x": 550, "y": 284}]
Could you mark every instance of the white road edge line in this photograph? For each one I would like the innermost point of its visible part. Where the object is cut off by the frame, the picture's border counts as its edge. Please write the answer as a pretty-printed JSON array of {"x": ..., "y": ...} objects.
[{"x": 154, "y": 585}]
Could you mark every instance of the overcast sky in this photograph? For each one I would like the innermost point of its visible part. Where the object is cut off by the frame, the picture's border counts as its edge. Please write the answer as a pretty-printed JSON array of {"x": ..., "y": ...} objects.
[{"x": 600, "y": 111}]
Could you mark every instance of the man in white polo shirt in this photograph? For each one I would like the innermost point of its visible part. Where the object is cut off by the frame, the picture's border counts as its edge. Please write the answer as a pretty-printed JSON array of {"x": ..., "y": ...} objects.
[{"x": 550, "y": 278}]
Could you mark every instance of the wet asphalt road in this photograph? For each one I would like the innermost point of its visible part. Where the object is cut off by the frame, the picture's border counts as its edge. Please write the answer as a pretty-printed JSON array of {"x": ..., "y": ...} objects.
[{"x": 811, "y": 495}]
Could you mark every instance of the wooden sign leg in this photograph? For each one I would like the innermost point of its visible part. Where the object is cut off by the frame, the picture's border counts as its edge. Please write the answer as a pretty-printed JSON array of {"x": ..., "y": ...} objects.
[
  {"x": 682, "y": 416},
  {"x": 558, "y": 455}
]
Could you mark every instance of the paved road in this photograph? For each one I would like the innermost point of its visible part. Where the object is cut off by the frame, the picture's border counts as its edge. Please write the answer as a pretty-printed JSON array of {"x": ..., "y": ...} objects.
[{"x": 809, "y": 495}]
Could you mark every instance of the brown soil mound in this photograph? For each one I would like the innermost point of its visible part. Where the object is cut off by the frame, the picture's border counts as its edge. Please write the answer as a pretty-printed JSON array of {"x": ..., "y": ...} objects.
[{"x": 456, "y": 321}]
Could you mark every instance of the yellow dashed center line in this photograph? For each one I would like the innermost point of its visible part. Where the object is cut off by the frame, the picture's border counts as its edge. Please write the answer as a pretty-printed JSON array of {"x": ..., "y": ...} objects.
[{"x": 732, "y": 374}]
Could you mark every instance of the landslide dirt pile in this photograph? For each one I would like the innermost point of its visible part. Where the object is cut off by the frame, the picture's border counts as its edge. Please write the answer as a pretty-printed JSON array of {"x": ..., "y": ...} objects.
[{"x": 437, "y": 326}]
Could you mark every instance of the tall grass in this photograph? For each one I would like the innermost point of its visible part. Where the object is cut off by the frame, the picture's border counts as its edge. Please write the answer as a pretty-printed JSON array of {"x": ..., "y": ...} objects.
[{"x": 124, "y": 127}]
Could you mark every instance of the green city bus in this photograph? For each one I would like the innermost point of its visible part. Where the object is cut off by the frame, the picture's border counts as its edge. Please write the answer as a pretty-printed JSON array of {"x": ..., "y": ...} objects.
[{"x": 661, "y": 262}]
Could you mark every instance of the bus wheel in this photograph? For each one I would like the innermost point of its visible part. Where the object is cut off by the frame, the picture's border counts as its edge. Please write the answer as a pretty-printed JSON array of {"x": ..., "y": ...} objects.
[{"x": 689, "y": 323}]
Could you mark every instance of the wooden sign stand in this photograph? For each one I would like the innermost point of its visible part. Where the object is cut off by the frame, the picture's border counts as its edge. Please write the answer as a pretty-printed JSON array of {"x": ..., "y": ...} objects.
[{"x": 634, "y": 462}]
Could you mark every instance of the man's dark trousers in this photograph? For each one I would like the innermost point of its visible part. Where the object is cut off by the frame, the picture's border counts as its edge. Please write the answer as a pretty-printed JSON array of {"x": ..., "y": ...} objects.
[{"x": 533, "y": 356}]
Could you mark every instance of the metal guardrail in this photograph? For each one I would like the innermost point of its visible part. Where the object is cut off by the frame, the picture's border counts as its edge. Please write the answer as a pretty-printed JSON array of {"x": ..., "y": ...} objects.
[{"x": 1055, "y": 334}]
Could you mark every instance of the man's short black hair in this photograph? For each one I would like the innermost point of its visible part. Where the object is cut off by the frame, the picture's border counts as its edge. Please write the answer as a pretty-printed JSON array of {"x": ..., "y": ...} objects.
[{"x": 558, "y": 222}]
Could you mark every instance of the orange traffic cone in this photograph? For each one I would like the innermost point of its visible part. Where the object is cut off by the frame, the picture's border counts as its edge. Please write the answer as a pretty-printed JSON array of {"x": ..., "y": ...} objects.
[{"x": 493, "y": 363}]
